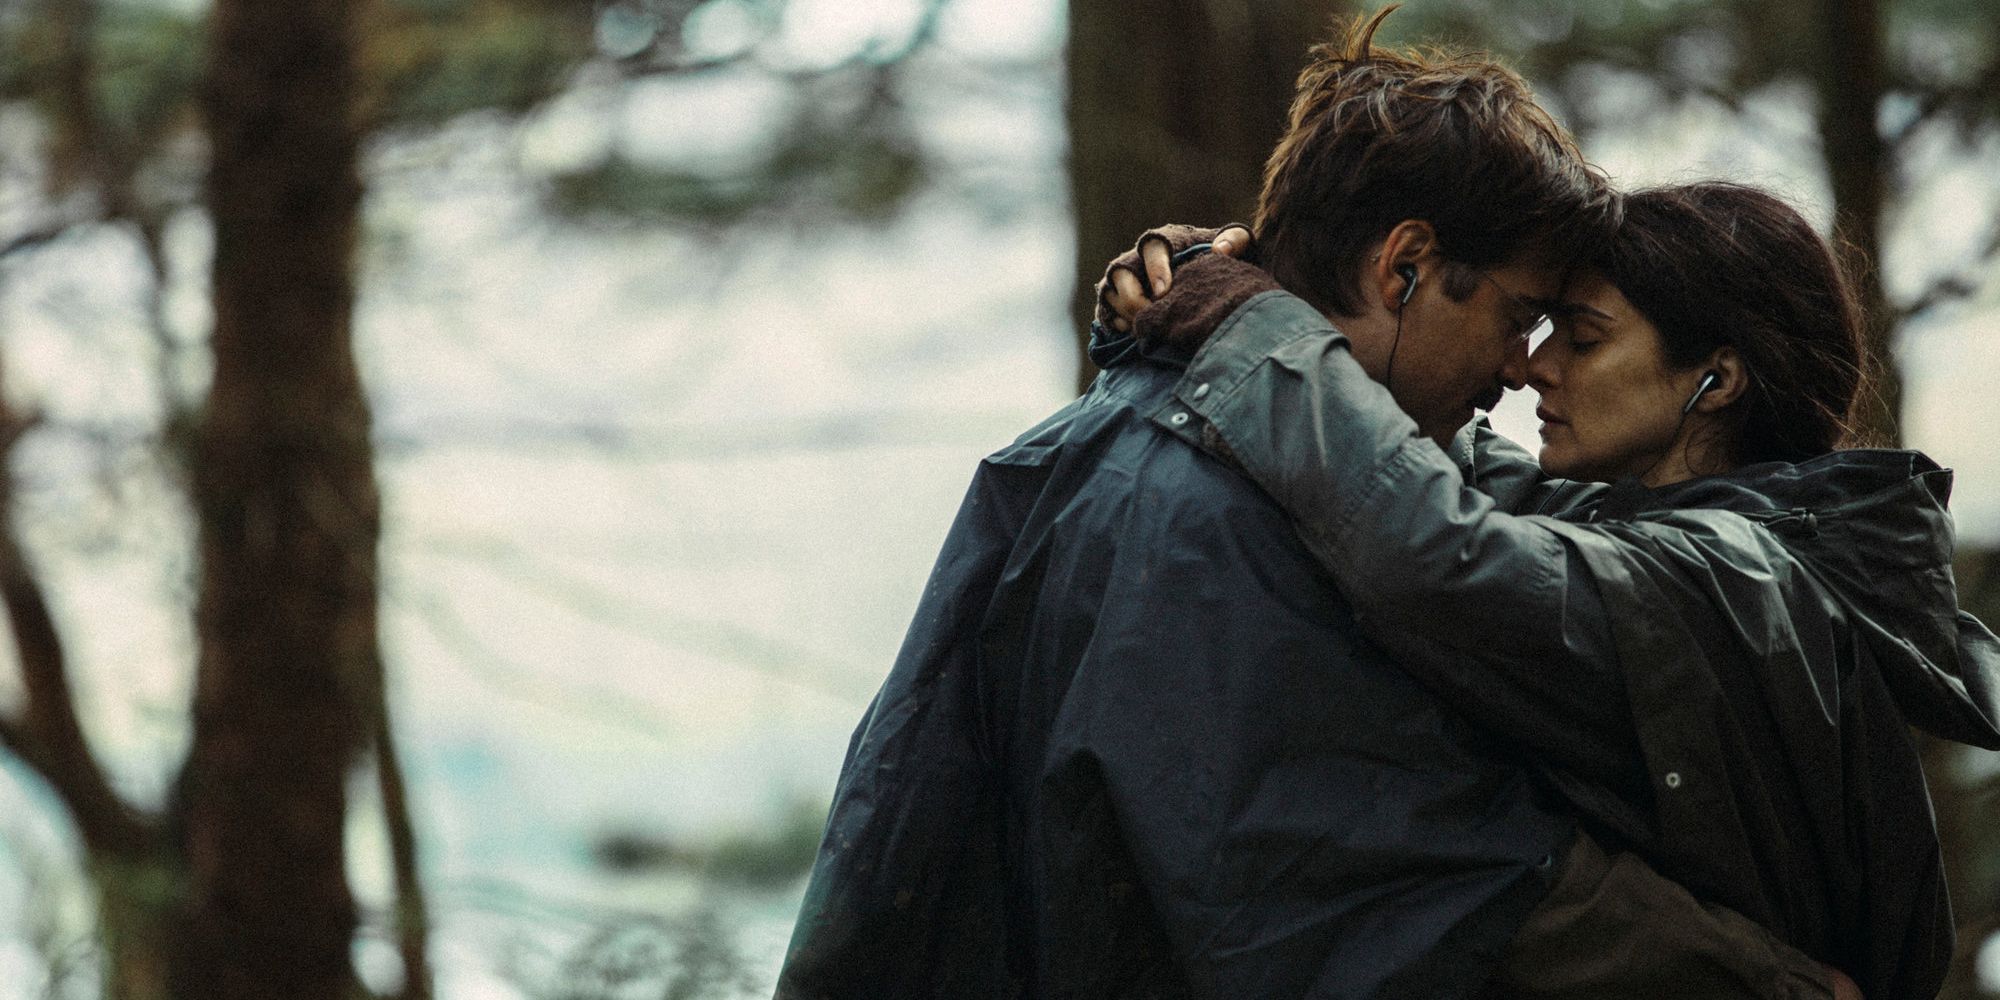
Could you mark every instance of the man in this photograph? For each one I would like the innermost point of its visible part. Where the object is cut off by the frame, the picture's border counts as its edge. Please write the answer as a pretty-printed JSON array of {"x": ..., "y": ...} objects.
[{"x": 1134, "y": 744}]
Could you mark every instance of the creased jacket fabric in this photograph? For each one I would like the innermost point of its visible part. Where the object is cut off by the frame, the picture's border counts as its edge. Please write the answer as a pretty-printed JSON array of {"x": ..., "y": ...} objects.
[
  {"x": 1134, "y": 746},
  {"x": 1720, "y": 673}
]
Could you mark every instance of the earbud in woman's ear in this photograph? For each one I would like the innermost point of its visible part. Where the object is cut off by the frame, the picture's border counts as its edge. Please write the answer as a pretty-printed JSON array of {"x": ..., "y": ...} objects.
[{"x": 1708, "y": 381}]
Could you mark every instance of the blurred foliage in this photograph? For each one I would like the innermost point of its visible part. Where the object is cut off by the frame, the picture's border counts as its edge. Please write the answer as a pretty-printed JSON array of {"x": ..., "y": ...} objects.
[
  {"x": 764, "y": 859},
  {"x": 148, "y": 62},
  {"x": 1723, "y": 50},
  {"x": 818, "y": 169},
  {"x": 842, "y": 146},
  {"x": 433, "y": 60},
  {"x": 137, "y": 67},
  {"x": 694, "y": 957},
  {"x": 143, "y": 63}
]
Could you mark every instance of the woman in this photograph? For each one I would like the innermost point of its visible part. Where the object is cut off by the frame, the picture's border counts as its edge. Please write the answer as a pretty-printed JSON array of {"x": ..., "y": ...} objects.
[{"x": 1717, "y": 655}]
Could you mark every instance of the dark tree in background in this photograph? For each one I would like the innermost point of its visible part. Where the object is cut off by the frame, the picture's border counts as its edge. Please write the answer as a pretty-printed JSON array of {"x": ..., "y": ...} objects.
[
  {"x": 239, "y": 889},
  {"x": 236, "y": 886},
  {"x": 1173, "y": 108},
  {"x": 287, "y": 513},
  {"x": 258, "y": 115}
]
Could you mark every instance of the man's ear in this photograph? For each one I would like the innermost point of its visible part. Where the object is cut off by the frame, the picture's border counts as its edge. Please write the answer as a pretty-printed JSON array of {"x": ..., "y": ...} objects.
[
  {"x": 1411, "y": 243},
  {"x": 1732, "y": 380}
]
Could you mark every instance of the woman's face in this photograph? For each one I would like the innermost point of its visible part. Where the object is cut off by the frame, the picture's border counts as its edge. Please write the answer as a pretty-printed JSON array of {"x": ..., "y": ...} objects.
[{"x": 1610, "y": 406}]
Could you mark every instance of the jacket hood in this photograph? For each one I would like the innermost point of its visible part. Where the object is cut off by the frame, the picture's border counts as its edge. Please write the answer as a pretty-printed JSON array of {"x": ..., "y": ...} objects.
[{"x": 1874, "y": 528}]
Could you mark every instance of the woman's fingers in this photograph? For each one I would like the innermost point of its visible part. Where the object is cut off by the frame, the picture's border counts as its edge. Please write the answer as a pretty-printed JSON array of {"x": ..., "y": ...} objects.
[
  {"x": 1157, "y": 258},
  {"x": 1140, "y": 276},
  {"x": 1126, "y": 298}
]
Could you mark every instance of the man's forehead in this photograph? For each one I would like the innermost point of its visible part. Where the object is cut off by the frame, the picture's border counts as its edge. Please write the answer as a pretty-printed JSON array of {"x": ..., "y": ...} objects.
[
  {"x": 1537, "y": 286},
  {"x": 1534, "y": 275}
]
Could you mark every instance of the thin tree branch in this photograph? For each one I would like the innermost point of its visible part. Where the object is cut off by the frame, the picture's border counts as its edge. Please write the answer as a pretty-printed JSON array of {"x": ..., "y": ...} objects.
[
  {"x": 1938, "y": 101},
  {"x": 1950, "y": 288},
  {"x": 412, "y": 914},
  {"x": 81, "y": 126},
  {"x": 1957, "y": 286},
  {"x": 176, "y": 407},
  {"x": 649, "y": 61},
  {"x": 520, "y": 680},
  {"x": 42, "y": 235},
  {"x": 82, "y": 146},
  {"x": 726, "y": 642},
  {"x": 48, "y": 736},
  {"x": 1677, "y": 87}
]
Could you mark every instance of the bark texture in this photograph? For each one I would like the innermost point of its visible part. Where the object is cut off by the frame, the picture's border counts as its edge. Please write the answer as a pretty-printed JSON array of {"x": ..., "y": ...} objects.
[
  {"x": 1173, "y": 108},
  {"x": 1858, "y": 168},
  {"x": 286, "y": 501}
]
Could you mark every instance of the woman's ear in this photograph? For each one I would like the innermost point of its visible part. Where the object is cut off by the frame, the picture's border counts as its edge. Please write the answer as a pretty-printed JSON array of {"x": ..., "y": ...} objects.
[
  {"x": 1732, "y": 380},
  {"x": 1411, "y": 244}
]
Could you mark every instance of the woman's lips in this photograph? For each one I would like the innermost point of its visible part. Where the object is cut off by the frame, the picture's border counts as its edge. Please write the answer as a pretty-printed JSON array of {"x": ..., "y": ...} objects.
[{"x": 1549, "y": 421}]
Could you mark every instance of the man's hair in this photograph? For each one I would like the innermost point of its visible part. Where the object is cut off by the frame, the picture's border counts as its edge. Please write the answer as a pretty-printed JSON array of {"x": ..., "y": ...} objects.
[{"x": 1378, "y": 136}]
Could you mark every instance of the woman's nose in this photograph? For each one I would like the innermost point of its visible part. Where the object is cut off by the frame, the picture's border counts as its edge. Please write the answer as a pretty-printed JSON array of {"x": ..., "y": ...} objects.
[{"x": 1544, "y": 370}]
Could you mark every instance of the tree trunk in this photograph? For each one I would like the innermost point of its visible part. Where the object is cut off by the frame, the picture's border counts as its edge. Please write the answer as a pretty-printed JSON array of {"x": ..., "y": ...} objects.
[
  {"x": 1173, "y": 108},
  {"x": 288, "y": 516},
  {"x": 1857, "y": 164},
  {"x": 140, "y": 899}
]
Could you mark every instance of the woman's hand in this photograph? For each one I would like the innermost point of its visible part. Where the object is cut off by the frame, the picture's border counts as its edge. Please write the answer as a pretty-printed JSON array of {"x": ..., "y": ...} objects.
[
  {"x": 1208, "y": 289},
  {"x": 1123, "y": 291}
]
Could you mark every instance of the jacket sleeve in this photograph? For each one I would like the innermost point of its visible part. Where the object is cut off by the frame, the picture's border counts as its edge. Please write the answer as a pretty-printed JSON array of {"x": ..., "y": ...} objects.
[
  {"x": 1506, "y": 472},
  {"x": 1612, "y": 927},
  {"x": 1496, "y": 613}
]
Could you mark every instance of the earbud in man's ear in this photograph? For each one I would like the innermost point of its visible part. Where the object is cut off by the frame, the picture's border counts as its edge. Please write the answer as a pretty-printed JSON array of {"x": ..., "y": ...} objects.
[
  {"x": 1408, "y": 272},
  {"x": 1708, "y": 381}
]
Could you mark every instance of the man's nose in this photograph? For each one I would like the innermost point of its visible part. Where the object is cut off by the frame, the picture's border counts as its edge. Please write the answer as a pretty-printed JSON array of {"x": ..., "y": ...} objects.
[{"x": 1514, "y": 371}]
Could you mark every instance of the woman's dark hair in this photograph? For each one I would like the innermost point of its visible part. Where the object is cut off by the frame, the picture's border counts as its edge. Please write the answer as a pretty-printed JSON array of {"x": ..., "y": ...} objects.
[
  {"x": 1377, "y": 136},
  {"x": 1724, "y": 265}
]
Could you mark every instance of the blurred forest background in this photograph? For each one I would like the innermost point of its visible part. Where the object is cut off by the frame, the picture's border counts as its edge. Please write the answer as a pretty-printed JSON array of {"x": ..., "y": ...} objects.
[{"x": 469, "y": 462}]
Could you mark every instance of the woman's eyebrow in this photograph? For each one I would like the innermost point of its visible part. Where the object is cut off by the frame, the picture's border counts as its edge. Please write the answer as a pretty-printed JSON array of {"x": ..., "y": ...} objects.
[{"x": 1563, "y": 309}]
